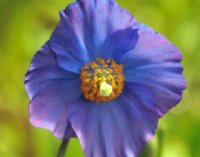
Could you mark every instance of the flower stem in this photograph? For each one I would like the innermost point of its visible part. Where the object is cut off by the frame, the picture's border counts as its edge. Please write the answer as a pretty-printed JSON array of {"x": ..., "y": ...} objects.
[
  {"x": 160, "y": 142},
  {"x": 63, "y": 147}
]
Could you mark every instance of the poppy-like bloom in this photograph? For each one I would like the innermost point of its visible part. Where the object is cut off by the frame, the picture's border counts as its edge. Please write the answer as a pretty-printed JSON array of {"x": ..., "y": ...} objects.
[{"x": 104, "y": 78}]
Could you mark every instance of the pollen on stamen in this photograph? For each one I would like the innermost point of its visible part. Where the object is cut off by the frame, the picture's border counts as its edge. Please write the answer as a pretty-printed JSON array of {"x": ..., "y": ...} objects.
[{"x": 102, "y": 80}]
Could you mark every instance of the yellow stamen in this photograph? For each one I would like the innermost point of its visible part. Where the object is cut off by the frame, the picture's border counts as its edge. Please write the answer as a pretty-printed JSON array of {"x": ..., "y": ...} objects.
[{"x": 102, "y": 80}]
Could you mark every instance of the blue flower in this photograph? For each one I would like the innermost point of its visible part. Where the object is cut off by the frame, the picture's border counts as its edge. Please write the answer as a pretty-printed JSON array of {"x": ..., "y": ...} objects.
[{"x": 104, "y": 78}]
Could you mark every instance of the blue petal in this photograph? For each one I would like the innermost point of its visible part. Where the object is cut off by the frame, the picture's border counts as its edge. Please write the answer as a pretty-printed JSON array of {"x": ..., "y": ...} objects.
[
  {"x": 104, "y": 19},
  {"x": 156, "y": 94},
  {"x": 153, "y": 71},
  {"x": 116, "y": 129},
  {"x": 105, "y": 22},
  {"x": 50, "y": 89},
  {"x": 68, "y": 42},
  {"x": 89, "y": 29},
  {"x": 119, "y": 43},
  {"x": 137, "y": 124},
  {"x": 88, "y": 121},
  {"x": 151, "y": 47}
]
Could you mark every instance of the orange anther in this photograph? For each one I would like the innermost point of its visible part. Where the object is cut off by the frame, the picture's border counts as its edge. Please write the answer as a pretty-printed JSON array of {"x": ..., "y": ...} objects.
[{"x": 98, "y": 71}]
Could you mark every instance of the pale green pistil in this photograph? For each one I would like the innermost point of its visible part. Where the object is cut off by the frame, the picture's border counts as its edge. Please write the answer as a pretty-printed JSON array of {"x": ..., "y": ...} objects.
[{"x": 105, "y": 89}]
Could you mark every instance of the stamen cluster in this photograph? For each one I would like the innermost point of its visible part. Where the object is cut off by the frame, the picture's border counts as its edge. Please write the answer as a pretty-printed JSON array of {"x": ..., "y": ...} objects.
[{"x": 101, "y": 71}]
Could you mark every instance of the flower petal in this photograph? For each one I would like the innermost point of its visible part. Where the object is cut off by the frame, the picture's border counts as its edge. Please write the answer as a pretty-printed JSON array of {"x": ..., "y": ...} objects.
[
  {"x": 93, "y": 126},
  {"x": 159, "y": 86},
  {"x": 105, "y": 21},
  {"x": 157, "y": 93},
  {"x": 116, "y": 129},
  {"x": 137, "y": 124},
  {"x": 119, "y": 43},
  {"x": 153, "y": 71},
  {"x": 50, "y": 89},
  {"x": 151, "y": 47},
  {"x": 89, "y": 29},
  {"x": 68, "y": 42}
]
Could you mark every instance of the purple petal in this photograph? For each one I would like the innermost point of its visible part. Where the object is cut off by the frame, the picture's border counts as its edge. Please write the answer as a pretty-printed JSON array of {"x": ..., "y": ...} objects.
[
  {"x": 93, "y": 126},
  {"x": 159, "y": 86},
  {"x": 156, "y": 95},
  {"x": 68, "y": 42},
  {"x": 119, "y": 43},
  {"x": 105, "y": 21},
  {"x": 153, "y": 72},
  {"x": 151, "y": 47},
  {"x": 116, "y": 129},
  {"x": 50, "y": 89},
  {"x": 137, "y": 124},
  {"x": 88, "y": 29}
]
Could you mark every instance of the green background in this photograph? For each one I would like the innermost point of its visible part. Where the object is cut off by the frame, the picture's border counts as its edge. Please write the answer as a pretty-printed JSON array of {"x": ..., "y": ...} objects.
[{"x": 26, "y": 24}]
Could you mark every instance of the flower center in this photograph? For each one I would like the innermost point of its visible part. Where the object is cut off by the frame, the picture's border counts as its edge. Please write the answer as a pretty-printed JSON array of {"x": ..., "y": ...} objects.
[{"x": 102, "y": 80}]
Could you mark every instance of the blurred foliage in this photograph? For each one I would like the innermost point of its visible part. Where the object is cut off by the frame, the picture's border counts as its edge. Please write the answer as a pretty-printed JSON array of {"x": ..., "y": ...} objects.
[{"x": 27, "y": 24}]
